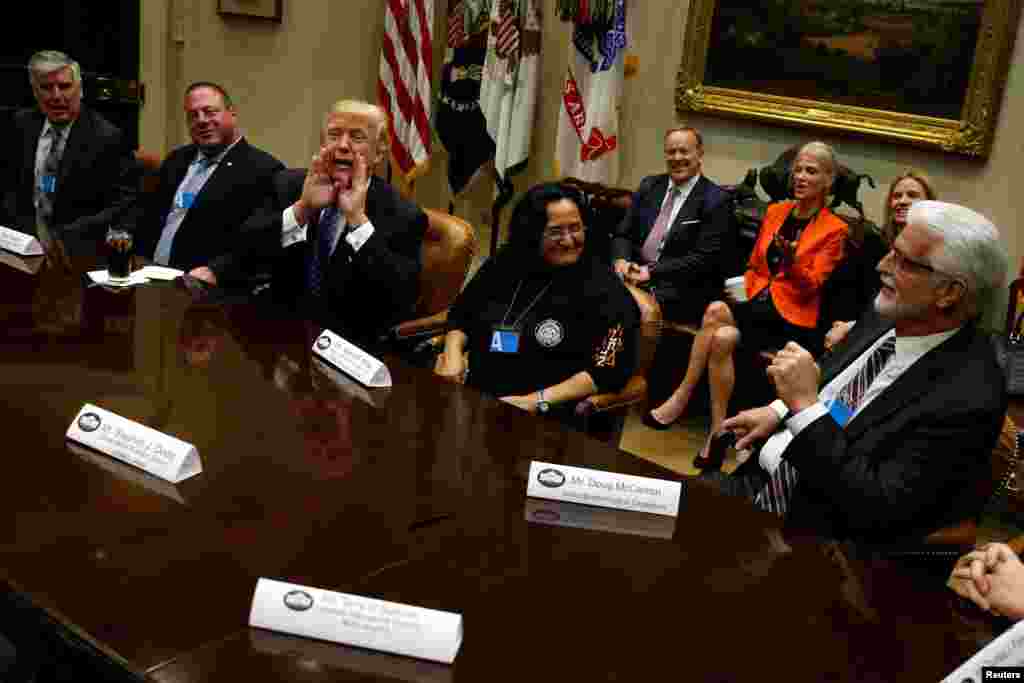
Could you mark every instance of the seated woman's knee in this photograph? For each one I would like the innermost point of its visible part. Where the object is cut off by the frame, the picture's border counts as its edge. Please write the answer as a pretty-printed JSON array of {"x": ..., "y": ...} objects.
[
  {"x": 717, "y": 314},
  {"x": 724, "y": 340}
]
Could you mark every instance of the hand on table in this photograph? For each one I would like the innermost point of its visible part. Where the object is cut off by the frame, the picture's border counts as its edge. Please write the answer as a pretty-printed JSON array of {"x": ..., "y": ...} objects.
[
  {"x": 205, "y": 274},
  {"x": 451, "y": 367}
]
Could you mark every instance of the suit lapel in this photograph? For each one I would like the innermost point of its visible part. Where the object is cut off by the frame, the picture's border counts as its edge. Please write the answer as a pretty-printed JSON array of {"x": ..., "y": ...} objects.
[
  {"x": 222, "y": 175},
  {"x": 908, "y": 387},
  {"x": 81, "y": 133},
  {"x": 31, "y": 142}
]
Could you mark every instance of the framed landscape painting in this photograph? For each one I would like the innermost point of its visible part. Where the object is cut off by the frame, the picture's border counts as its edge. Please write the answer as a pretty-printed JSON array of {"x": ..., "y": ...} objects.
[{"x": 923, "y": 72}]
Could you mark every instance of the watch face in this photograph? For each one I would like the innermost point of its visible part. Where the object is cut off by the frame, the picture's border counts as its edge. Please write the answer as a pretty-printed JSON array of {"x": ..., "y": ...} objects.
[{"x": 542, "y": 406}]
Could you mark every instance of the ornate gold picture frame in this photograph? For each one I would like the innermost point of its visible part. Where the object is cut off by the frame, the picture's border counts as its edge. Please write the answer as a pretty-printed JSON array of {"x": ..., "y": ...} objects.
[{"x": 966, "y": 121}]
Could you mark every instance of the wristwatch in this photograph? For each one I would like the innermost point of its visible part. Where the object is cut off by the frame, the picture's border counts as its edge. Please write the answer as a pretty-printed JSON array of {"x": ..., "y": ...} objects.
[{"x": 542, "y": 405}]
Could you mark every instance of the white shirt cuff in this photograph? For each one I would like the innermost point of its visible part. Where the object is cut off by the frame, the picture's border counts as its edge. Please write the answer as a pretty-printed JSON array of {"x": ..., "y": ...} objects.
[
  {"x": 357, "y": 237},
  {"x": 291, "y": 231},
  {"x": 798, "y": 422},
  {"x": 779, "y": 407}
]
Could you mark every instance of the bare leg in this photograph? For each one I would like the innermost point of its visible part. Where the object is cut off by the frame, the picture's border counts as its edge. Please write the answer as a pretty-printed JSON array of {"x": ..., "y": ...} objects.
[
  {"x": 715, "y": 316},
  {"x": 722, "y": 372}
]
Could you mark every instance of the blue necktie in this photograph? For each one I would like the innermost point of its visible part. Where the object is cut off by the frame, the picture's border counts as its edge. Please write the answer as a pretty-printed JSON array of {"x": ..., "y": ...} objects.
[{"x": 320, "y": 257}]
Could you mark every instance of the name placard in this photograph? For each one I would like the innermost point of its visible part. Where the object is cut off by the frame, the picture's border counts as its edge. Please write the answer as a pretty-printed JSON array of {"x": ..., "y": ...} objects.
[
  {"x": 555, "y": 513},
  {"x": 604, "y": 489},
  {"x": 159, "y": 454},
  {"x": 1004, "y": 652},
  {"x": 356, "y": 620},
  {"x": 352, "y": 360},
  {"x": 369, "y": 395},
  {"x": 26, "y": 264},
  {"x": 19, "y": 242}
]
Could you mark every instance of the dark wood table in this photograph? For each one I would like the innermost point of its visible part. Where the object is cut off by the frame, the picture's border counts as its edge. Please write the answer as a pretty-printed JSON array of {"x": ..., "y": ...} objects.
[{"x": 414, "y": 495}]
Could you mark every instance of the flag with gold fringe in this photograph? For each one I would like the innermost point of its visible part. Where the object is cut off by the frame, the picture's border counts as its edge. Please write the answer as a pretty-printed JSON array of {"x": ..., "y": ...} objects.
[{"x": 511, "y": 81}]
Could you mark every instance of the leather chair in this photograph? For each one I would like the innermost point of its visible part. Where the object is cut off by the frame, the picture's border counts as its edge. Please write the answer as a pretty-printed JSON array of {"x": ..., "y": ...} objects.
[
  {"x": 150, "y": 165},
  {"x": 635, "y": 391},
  {"x": 448, "y": 250}
]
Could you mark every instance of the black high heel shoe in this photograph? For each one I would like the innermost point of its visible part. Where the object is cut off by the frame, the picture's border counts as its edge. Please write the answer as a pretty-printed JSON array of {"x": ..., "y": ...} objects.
[
  {"x": 717, "y": 445},
  {"x": 650, "y": 421}
]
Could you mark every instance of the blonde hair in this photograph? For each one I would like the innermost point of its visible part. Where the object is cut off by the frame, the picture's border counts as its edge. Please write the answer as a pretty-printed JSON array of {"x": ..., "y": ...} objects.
[
  {"x": 824, "y": 155},
  {"x": 889, "y": 232},
  {"x": 378, "y": 120}
]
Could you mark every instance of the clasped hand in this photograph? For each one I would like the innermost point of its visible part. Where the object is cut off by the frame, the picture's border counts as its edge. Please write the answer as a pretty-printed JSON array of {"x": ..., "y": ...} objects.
[
  {"x": 992, "y": 576},
  {"x": 795, "y": 375}
]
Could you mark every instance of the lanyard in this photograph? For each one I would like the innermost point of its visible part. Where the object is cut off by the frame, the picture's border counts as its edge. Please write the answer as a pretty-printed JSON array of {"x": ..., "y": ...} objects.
[{"x": 522, "y": 315}]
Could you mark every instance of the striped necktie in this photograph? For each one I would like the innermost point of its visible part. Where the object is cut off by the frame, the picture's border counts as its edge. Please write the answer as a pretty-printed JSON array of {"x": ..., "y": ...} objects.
[
  {"x": 46, "y": 184},
  {"x": 776, "y": 494}
]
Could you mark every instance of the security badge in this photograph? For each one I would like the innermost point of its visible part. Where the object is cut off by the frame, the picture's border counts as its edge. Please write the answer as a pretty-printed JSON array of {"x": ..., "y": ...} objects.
[
  {"x": 185, "y": 200},
  {"x": 504, "y": 339},
  {"x": 48, "y": 184}
]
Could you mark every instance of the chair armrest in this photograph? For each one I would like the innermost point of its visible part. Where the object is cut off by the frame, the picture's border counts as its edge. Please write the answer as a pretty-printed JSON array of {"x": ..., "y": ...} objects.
[
  {"x": 421, "y": 327},
  {"x": 635, "y": 391}
]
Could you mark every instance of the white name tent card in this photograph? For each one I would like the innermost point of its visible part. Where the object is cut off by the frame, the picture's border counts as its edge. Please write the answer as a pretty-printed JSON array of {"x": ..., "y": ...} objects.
[
  {"x": 1005, "y": 651},
  {"x": 356, "y": 620},
  {"x": 159, "y": 454},
  {"x": 351, "y": 359},
  {"x": 604, "y": 489},
  {"x": 555, "y": 513},
  {"x": 19, "y": 242}
]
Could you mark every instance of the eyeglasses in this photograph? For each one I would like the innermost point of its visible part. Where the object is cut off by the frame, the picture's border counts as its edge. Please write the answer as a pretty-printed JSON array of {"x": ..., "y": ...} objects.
[
  {"x": 903, "y": 262},
  {"x": 906, "y": 264},
  {"x": 554, "y": 234}
]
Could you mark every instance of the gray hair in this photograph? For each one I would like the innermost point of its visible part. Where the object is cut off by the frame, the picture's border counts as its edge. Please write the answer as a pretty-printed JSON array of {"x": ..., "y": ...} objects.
[
  {"x": 48, "y": 61},
  {"x": 971, "y": 249}
]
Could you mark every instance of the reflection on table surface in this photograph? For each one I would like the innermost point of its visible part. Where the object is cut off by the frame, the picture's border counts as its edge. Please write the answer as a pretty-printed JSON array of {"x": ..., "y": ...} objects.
[{"x": 414, "y": 495}]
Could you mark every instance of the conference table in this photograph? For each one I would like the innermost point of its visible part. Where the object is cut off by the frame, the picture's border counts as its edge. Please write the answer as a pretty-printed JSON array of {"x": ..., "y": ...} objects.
[{"x": 413, "y": 494}]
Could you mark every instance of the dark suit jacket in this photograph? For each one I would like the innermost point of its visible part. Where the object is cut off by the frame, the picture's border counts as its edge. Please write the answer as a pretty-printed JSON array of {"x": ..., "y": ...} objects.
[
  {"x": 97, "y": 180},
  {"x": 366, "y": 291},
  {"x": 691, "y": 271},
  {"x": 912, "y": 460},
  {"x": 238, "y": 187}
]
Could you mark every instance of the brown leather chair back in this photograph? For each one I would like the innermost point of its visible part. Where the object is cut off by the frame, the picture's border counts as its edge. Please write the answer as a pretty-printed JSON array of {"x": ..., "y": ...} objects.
[
  {"x": 150, "y": 164},
  {"x": 448, "y": 250}
]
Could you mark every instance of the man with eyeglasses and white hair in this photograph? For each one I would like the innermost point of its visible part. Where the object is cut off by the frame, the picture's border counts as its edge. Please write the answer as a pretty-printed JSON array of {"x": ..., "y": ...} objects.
[
  {"x": 890, "y": 439},
  {"x": 67, "y": 172}
]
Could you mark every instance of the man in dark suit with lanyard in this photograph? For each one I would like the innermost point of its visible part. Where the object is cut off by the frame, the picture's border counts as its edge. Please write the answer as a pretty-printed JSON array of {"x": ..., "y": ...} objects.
[
  {"x": 67, "y": 172},
  {"x": 891, "y": 439},
  {"x": 207, "y": 189},
  {"x": 337, "y": 237},
  {"x": 675, "y": 237}
]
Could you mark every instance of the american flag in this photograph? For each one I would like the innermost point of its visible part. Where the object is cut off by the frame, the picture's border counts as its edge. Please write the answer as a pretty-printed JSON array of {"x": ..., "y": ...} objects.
[{"x": 403, "y": 87}]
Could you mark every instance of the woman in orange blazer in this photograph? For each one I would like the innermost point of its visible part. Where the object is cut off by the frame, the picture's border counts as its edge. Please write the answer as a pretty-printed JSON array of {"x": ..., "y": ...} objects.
[{"x": 799, "y": 246}]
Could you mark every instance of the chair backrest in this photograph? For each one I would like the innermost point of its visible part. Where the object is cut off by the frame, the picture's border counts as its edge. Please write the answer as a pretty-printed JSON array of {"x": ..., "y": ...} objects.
[
  {"x": 448, "y": 250},
  {"x": 150, "y": 164}
]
